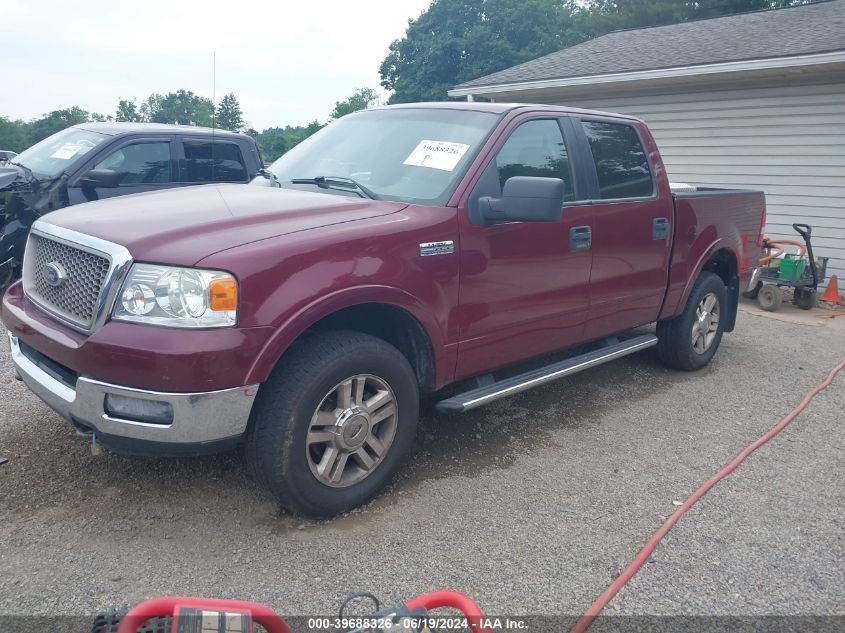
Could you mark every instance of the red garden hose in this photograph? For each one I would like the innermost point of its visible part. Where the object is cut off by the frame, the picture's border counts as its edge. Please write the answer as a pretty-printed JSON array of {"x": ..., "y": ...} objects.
[
  {"x": 475, "y": 618},
  {"x": 587, "y": 619}
]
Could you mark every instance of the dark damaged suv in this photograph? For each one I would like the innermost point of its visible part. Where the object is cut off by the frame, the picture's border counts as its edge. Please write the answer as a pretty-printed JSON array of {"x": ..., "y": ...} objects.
[{"x": 93, "y": 161}]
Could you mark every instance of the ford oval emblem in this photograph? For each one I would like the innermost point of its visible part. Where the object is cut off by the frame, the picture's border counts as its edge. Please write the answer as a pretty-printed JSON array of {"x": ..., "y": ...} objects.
[{"x": 54, "y": 274}]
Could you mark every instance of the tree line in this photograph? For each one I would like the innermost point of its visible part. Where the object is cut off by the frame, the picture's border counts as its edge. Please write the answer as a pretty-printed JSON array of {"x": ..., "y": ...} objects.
[
  {"x": 454, "y": 41},
  {"x": 182, "y": 107},
  {"x": 450, "y": 42}
]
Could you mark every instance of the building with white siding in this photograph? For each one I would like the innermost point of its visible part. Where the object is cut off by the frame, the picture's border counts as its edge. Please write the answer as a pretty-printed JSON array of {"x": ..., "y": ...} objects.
[{"x": 755, "y": 100}]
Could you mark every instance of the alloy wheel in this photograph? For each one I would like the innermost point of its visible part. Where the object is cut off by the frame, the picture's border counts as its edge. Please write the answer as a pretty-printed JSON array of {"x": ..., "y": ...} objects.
[{"x": 351, "y": 431}]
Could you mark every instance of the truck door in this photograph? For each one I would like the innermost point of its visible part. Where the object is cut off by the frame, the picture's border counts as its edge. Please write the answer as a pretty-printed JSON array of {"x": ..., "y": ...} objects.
[
  {"x": 524, "y": 285},
  {"x": 136, "y": 165},
  {"x": 205, "y": 160},
  {"x": 632, "y": 226}
]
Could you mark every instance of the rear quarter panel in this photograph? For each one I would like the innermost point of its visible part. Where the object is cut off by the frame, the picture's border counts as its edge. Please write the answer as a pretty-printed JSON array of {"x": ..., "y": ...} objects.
[{"x": 705, "y": 222}]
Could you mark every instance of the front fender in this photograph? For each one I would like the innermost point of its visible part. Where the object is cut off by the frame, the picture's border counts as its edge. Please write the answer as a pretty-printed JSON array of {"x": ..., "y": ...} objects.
[
  {"x": 292, "y": 281},
  {"x": 292, "y": 328}
]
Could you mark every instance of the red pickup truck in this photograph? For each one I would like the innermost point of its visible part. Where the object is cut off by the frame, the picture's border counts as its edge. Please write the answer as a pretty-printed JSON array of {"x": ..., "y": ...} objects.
[{"x": 397, "y": 251}]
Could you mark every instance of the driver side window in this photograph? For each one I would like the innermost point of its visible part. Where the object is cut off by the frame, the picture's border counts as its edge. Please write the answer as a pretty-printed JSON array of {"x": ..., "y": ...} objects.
[
  {"x": 535, "y": 148},
  {"x": 140, "y": 163}
]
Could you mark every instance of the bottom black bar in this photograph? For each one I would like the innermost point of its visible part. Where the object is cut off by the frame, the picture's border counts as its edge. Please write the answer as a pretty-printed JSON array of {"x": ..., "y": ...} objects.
[{"x": 516, "y": 623}]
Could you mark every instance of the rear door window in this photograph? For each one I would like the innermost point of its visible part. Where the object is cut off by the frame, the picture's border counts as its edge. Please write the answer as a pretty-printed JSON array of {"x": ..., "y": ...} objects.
[
  {"x": 207, "y": 161},
  {"x": 621, "y": 163},
  {"x": 140, "y": 163}
]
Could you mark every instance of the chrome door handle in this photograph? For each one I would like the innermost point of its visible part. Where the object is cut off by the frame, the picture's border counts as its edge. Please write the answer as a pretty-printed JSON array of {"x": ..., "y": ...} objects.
[
  {"x": 660, "y": 228},
  {"x": 580, "y": 238}
]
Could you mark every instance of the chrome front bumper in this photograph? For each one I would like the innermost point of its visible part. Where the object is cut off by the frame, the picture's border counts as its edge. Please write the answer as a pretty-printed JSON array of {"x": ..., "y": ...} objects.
[{"x": 198, "y": 418}]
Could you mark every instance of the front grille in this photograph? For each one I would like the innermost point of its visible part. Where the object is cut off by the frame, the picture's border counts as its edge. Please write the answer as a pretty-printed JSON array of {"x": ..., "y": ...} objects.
[{"x": 84, "y": 274}]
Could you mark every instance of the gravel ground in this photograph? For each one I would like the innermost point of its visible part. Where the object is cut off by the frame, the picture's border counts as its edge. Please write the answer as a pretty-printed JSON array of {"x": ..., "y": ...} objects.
[{"x": 531, "y": 505}]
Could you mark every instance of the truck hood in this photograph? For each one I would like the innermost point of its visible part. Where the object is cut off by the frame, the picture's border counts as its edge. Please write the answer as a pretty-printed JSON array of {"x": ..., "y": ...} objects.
[{"x": 183, "y": 226}]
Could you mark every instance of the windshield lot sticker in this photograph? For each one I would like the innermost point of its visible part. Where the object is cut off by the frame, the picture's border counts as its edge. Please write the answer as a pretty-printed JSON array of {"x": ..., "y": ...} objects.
[
  {"x": 437, "y": 155},
  {"x": 66, "y": 151}
]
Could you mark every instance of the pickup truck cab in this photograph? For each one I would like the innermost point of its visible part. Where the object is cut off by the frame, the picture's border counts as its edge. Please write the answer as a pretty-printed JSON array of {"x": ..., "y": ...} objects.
[
  {"x": 94, "y": 161},
  {"x": 397, "y": 251}
]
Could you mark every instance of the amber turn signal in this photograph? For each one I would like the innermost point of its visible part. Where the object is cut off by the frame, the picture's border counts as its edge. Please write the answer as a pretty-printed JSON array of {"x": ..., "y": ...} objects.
[{"x": 223, "y": 294}]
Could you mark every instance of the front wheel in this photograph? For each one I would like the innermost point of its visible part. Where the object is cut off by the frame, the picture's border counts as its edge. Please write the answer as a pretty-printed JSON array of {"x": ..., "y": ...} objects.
[
  {"x": 770, "y": 297},
  {"x": 333, "y": 423},
  {"x": 691, "y": 339}
]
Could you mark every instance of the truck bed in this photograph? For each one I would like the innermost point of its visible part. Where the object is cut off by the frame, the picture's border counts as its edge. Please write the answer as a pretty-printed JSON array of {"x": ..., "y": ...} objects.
[{"x": 706, "y": 221}]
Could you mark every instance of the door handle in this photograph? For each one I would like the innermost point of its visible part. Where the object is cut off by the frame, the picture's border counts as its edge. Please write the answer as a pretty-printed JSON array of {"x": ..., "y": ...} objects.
[
  {"x": 580, "y": 238},
  {"x": 660, "y": 228}
]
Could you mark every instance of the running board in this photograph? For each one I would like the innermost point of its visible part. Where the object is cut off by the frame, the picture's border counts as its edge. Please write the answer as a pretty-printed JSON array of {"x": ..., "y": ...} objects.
[{"x": 510, "y": 386}]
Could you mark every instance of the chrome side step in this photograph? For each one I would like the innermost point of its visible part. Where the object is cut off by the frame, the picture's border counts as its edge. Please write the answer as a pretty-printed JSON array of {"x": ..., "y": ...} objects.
[{"x": 510, "y": 386}]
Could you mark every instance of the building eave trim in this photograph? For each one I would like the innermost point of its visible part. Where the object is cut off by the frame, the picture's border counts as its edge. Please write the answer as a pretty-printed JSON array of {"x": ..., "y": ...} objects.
[{"x": 796, "y": 61}]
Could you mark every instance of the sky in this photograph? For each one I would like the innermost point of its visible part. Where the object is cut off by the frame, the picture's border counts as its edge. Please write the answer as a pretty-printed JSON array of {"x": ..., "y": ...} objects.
[{"x": 287, "y": 62}]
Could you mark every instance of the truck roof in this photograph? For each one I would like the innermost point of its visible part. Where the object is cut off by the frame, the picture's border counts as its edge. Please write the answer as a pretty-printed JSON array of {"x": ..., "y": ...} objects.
[
  {"x": 114, "y": 128},
  {"x": 501, "y": 108}
]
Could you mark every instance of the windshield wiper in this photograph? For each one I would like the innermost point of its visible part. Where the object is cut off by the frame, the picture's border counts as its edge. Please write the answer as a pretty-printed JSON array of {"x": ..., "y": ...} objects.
[
  {"x": 269, "y": 175},
  {"x": 336, "y": 182}
]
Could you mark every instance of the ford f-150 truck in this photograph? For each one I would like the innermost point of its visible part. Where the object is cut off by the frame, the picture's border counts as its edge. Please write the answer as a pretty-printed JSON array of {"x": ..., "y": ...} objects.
[{"x": 399, "y": 250}]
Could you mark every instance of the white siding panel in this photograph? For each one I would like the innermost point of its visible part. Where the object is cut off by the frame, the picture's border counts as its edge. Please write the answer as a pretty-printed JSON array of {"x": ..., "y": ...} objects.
[{"x": 787, "y": 140}]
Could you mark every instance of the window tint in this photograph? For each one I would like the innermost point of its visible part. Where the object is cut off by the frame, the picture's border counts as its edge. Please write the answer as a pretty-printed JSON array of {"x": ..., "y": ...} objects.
[
  {"x": 213, "y": 162},
  {"x": 621, "y": 162},
  {"x": 140, "y": 163},
  {"x": 536, "y": 148}
]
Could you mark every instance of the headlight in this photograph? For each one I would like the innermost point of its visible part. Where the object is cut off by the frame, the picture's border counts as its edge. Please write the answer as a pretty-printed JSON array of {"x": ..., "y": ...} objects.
[{"x": 178, "y": 297}]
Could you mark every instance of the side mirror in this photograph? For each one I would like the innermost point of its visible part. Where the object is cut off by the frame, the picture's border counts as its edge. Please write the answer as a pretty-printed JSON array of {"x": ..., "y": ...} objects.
[
  {"x": 100, "y": 178},
  {"x": 525, "y": 199}
]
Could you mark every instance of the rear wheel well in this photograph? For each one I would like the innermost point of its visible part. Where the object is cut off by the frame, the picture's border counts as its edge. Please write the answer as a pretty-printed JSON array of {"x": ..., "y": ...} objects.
[
  {"x": 723, "y": 263},
  {"x": 391, "y": 324}
]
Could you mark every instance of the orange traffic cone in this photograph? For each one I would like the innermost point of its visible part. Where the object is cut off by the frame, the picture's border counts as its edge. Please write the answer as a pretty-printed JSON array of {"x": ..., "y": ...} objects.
[{"x": 831, "y": 295}]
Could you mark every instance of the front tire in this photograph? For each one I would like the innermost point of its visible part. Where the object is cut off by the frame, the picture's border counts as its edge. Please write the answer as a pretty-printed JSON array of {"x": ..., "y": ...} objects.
[
  {"x": 333, "y": 423},
  {"x": 690, "y": 340},
  {"x": 769, "y": 298}
]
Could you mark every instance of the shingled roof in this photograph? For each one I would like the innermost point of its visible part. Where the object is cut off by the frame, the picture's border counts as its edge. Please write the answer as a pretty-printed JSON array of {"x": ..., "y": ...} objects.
[{"x": 802, "y": 30}]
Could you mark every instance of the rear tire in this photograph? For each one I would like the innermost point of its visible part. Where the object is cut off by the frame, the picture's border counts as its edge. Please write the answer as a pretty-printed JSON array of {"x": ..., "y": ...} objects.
[
  {"x": 690, "y": 340},
  {"x": 805, "y": 298},
  {"x": 333, "y": 423}
]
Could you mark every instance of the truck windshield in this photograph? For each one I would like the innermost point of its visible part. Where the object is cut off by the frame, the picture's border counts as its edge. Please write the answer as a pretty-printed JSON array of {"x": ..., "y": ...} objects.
[
  {"x": 408, "y": 154},
  {"x": 56, "y": 153}
]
